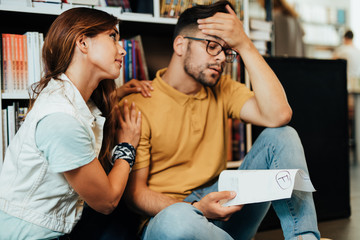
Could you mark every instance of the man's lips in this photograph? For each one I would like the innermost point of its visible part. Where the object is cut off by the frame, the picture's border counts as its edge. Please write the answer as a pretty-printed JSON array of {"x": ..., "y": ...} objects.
[{"x": 217, "y": 69}]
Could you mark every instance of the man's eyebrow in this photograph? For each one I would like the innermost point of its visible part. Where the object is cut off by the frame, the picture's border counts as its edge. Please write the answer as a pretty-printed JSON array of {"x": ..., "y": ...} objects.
[{"x": 222, "y": 42}]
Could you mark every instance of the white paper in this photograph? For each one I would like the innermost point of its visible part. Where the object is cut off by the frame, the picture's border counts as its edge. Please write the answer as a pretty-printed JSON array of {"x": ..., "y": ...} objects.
[{"x": 253, "y": 186}]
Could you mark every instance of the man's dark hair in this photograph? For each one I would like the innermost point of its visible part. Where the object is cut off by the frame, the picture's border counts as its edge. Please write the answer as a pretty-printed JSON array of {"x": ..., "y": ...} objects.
[
  {"x": 190, "y": 16},
  {"x": 349, "y": 34}
]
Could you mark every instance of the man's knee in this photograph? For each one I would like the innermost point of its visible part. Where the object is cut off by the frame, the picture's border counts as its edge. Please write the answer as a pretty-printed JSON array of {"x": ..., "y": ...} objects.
[
  {"x": 178, "y": 221},
  {"x": 282, "y": 136}
]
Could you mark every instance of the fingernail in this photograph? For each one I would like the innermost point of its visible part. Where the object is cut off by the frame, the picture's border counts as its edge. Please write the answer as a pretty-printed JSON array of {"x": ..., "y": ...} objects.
[{"x": 233, "y": 194}]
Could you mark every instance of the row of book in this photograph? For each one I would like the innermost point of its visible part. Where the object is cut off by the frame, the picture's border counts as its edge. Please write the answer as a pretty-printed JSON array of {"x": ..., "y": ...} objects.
[
  {"x": 12, "y": 118},
  {"x": 124, "y": 4},
  {"x": 21, "y": 61},
  {"x": 236, "y": 140},
  {"x": 134, "y": 62},
  {"x": 236, "y": 148},
  {"x": 173, "y": 8},
  {"x": 22, "y": 65},
  {"x": 260, "y": 32}
]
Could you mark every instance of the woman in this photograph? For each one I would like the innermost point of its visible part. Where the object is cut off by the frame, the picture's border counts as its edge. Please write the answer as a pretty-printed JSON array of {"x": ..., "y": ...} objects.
[{"x": 57, "y": 159}]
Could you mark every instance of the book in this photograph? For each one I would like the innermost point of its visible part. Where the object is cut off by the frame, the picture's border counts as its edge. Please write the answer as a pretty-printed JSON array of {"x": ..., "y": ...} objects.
[
  {"x": 3, "y": 62},
  {"x": 4, "y": 131},
  {"x": 26, "y": 65},
  {"x": 15, "y": 56},
  {"x": 125, "y": 60},
  {"x": 258, "y": 24},
  {"x": 124, "y": 4},
  {"x": 238, "y": 140},
  {"x": 143, "y": 72},
  {"x": 165, "y": 8},
  {"x": 7, "y": 63},
  {"x": 229, "y": 141},
  {"x": 11, "y": 122},
  {"x": 41, "y": 64},
  {"x": 172, "y": 8},
  {"x": 36, "y": 57},
  {"x": 21, "y": 69},
  {"x": 139, "y": 63},
  {"x": 129, "y": 65},
  {"x": 259, "y": 35},
  {"x": 30, "y": 58},
  {"x": 134, "y": 59}
]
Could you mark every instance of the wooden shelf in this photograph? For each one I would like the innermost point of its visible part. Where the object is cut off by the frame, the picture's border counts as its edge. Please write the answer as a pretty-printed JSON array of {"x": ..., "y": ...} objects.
[
  {"x": 15, "y": 95},
  {"x": 57, "y": 9},
  {"x": 234, "y": 164}
]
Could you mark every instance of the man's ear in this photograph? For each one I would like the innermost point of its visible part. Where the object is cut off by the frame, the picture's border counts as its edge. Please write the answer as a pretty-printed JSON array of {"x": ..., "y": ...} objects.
[
  {"x": 180, "y": 45},
  {"x": 82, "y": 43}
]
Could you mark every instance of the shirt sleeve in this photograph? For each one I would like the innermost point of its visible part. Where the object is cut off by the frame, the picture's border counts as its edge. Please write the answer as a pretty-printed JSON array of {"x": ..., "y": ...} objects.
[
  {"x": 235, "y": 95},
  {"x": 64, "y": 141},
  {"x": 143, "y": 149}
]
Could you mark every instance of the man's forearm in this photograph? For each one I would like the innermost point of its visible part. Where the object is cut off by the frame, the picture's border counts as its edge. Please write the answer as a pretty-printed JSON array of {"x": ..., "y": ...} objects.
[
  {"x": 148, "y": 202},
  {"x": 269, "y": 93}
]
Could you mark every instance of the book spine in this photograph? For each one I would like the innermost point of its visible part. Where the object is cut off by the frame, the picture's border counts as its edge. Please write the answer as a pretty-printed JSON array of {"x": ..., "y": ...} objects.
[
  {"x": 130, "y": 60},
  {"x": 134, "y": 59},
  {"x": 126, "y": 61},
  {"x": 30, "y": 55},
  {"x": 4, "y": 131},
  {"x": 36, "y": 56},
  {"x": 26, "y": 65},
  {"x": 4, "y": 63},
  {"x": 12, "y": 83},
  {"x": 21, "y": 62},
  {"x": 11, "y": 122},
  {"x": 7, "y": 62},
  {"x": 41, "y": 64}
]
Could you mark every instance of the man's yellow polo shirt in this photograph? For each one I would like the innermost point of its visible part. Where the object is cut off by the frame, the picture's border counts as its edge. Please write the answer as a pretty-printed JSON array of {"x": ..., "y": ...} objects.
[{"x": 183, "y": 137}]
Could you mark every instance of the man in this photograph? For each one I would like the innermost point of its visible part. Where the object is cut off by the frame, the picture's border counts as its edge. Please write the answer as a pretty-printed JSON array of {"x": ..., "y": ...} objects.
[
  {"x": 183, "y": 143},
  {"x": 349, "y": 52}
]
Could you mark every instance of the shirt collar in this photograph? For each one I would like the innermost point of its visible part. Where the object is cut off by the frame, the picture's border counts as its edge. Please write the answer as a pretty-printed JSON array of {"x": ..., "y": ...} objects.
[
  {"x": 179, "y": 97},
  {"x": 87, "y": 109}
]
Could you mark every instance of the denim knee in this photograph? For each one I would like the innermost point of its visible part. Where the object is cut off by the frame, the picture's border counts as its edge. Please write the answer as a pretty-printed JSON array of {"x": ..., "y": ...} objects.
[
  {"x": 178, "y": 221},
  {"x": 282, "y": 136}
]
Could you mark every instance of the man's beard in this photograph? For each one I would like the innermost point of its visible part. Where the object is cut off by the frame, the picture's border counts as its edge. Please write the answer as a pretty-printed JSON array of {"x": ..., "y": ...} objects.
[{"x": 200, "y": 75}]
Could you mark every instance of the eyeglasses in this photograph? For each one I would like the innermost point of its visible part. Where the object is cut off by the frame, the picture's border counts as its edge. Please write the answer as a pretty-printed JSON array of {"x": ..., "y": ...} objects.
[{"x": 214, "y": 48}]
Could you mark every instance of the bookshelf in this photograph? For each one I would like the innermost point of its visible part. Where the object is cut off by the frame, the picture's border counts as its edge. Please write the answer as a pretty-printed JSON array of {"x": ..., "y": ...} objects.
[
  {"x": 156, "y": 33},
  {"x": 39, "y": 17}
]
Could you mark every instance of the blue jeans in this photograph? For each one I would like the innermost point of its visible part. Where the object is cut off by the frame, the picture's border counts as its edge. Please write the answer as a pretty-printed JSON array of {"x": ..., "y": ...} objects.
[{"x": 275, "y": 148}]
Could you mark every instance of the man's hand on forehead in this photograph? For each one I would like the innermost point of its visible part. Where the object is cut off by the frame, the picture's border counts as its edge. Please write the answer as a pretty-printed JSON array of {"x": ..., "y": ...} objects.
[{"x": 224, "y": 26}]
